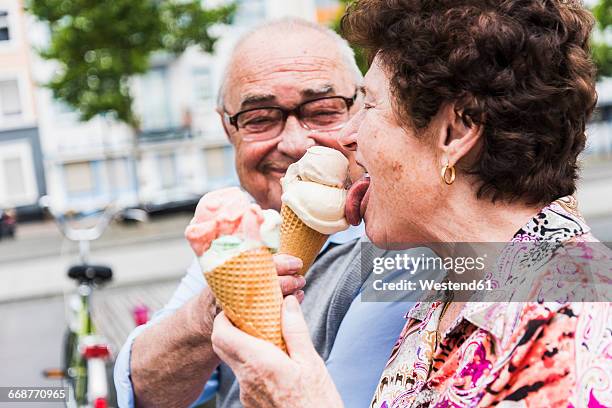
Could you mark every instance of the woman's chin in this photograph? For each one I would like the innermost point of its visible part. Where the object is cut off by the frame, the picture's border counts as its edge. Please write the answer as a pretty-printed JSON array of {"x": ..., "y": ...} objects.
[
  {"x": 375, "y": 231},
  {"x": 381, "y": 235}
]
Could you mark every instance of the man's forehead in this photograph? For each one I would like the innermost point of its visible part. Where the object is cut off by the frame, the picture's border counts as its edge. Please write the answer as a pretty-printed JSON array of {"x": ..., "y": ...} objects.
[
  {"x": 275, "y": 82},
  {"x": 285, "y": 68},
  {"x": 312, "y": 91}
]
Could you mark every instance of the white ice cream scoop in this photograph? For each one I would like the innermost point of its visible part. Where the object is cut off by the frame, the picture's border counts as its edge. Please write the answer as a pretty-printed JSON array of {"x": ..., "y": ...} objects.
[{"x": 313, "y": 188}]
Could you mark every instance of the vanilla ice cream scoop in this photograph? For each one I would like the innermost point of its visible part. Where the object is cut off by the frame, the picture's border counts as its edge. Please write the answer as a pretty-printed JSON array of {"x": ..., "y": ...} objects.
[{"x": 313, "y": 188}]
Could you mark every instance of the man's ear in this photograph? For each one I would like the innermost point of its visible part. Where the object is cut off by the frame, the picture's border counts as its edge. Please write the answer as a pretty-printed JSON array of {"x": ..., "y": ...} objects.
[
  {"x": 224, "y": 124},
  {"x": 458, "y": 135}
]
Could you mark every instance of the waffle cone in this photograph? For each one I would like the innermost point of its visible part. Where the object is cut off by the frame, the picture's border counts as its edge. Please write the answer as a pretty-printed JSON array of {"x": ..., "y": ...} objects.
[
  {"x": 247, "y": 288},
  {"x": 298, "y": 239}
]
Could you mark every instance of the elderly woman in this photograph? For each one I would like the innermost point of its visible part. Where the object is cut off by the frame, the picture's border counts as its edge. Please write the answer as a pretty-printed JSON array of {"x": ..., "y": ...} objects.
[{"x": 474, "y": 116}]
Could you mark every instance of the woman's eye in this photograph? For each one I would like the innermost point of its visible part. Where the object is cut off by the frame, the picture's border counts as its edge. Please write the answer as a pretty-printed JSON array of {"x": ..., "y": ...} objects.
[{"x": 367, "y": 106}]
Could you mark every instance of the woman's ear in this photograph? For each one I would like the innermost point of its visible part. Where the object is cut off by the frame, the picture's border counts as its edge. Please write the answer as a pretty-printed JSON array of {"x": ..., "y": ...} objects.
[{"x": 458, "y": 135}]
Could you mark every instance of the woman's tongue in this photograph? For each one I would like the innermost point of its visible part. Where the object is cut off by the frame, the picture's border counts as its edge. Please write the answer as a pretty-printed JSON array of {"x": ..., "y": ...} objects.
[{"x": 352, "y": 210}]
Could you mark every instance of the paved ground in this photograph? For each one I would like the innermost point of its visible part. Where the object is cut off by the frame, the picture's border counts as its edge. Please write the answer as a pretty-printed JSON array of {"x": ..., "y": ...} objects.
[
  {"x": 32, "y": 332},
  {"x": 41, "y": 239},
  {"x": 113, "y": 308},
  {"x": 35, "y": 263},
  {"x": 30, "y": 341},
  {"x": 147, "y": 259}
]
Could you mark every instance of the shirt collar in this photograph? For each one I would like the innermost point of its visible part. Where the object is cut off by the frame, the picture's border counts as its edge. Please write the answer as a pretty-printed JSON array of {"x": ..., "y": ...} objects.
[
  {"x": 564, "y": 222},
  {"x": 559, "y": 221},
  {"x": 349, "y": 234},
  {"x": 342, "y": 237}
]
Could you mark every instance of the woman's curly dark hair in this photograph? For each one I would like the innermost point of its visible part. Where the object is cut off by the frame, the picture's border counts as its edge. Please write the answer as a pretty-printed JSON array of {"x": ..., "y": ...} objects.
[{"x": 521, "y": 68}]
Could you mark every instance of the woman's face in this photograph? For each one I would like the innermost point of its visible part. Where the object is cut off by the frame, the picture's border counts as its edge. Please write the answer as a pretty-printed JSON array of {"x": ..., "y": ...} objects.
[{"x": 403, "y": 168}]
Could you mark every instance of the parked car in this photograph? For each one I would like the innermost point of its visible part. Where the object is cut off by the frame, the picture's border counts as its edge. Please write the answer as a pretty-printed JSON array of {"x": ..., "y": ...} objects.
[{"x": 8, "y": 223}]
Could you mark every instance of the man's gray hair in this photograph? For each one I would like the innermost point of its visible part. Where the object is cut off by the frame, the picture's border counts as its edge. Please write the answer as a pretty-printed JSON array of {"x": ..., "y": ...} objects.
[{"x": 291, "y": 24}]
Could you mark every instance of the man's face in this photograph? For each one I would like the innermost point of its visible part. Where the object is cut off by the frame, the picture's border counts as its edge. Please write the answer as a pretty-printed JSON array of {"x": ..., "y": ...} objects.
[{"x": 282, "y": 70}]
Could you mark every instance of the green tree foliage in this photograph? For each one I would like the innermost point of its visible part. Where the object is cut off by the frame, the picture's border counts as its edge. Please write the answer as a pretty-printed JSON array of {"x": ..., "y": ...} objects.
[
  {"x": 602, "y": 51},
  {"x": 360, "y": 56},
  {"x": 99, "y": 45}
]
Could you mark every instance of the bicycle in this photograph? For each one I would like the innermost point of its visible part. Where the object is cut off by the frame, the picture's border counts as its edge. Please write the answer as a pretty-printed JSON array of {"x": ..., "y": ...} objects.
[{"x": 86, "y": 355}]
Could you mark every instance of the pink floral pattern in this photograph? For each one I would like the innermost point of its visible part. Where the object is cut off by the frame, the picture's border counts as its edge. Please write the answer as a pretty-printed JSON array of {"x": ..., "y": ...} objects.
[{"x": 510, "y": 354}]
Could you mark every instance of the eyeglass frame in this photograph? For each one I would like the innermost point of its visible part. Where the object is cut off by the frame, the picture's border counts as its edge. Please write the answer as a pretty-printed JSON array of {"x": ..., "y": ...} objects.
[{"x": 350, "y": 101}]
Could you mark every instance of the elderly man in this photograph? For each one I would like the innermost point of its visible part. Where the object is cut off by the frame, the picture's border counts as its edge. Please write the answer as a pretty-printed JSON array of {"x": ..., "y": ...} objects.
[{"x": 285, "y": 72}]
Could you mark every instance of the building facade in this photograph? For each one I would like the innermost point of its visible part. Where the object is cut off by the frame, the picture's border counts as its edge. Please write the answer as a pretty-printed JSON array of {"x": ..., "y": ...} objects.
[
  {"x": 181, "y": 151},
  {"x": 22, "y": 179}
]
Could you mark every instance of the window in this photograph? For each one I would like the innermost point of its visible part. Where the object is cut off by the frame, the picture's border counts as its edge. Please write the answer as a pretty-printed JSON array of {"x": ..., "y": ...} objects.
[
  {"x": 5, "y": 34},
  {"x": 202, "y": 85},
  {"x": 17, "y": 174},
  {"x": 14, "y": 177},
  {"x": 327, "y": 3},
  {"x": 118, "y": 175},
  {"x": 167, "y": 170},
  {"x": 155, "y": 108},
  {"x": 10, "y": 103},
  {"x": 79, "y": 178},
  {"x": 249, "y": 12}
]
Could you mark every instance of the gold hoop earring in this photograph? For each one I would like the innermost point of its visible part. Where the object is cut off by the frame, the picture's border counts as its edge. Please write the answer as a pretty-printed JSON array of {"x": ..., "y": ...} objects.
[{"x": 448, "y": 179}]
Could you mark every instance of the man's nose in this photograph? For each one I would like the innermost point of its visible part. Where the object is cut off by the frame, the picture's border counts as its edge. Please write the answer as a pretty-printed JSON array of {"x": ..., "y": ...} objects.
[{"x": 295, "y": 140}]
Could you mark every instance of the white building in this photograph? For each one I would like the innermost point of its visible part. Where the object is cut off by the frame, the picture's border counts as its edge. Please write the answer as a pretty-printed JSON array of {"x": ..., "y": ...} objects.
[
  {"x": 182, "y": 151},
  {"x": 599, "y": 131},
  {"x": 21, "y": 171}
]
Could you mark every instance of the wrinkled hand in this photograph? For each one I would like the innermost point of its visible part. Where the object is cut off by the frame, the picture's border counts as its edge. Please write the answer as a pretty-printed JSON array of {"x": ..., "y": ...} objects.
[
  {"x": 267, "y": 376},
  {"x": 291, "y": 283}
]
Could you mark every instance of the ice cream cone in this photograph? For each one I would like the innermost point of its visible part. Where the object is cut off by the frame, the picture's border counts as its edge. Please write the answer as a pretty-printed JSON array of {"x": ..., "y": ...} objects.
[
  {"x": 246, "y": 286},
  {"x": 298, "y": 239}
]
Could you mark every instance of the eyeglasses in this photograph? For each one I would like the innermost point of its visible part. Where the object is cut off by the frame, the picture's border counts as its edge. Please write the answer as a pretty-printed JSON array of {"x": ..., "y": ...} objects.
[{"x": 327, "y": 114}]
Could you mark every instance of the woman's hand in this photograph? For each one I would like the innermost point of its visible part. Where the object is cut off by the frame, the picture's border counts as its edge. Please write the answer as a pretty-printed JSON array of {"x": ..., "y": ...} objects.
[
  {"x": 267, "y": 376},
  {"x": 291, "y": 283}
]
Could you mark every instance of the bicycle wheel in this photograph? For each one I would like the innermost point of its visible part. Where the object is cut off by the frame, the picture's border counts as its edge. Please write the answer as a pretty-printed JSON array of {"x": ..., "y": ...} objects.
[
  {"x": 74, "y": 367},
  {"x": 68, "y": 349}
]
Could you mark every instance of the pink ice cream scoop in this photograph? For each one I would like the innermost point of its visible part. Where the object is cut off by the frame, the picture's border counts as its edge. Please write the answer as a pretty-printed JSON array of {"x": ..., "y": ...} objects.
[{"x": 223, "y": 212}]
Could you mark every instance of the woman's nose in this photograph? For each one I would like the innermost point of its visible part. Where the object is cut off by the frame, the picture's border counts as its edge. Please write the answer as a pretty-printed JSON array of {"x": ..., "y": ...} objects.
[{"x": 347, "y": 137}]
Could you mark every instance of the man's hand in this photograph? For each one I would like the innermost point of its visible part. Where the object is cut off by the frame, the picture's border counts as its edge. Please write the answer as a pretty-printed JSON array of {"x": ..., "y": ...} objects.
[
  {"x": 270, "y": 378},
  {"x": 179, "y": 347},
  {"x": 291, "y": 283}
]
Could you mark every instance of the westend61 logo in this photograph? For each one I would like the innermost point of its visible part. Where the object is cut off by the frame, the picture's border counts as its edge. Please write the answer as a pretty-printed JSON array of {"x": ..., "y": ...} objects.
[
  {"x": 521, "y": 271},
  {"x": 410, "y": 263}
]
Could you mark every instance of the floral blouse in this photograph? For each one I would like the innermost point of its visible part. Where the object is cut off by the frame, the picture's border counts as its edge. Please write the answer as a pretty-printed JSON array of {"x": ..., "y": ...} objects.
[{"x": 509, "y": 354}]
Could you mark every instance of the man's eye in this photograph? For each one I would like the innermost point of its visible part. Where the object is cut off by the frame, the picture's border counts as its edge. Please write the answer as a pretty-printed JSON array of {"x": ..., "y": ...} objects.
[
  {"x": 259, "y": 121},
  {"x": 326, "y": 113}
]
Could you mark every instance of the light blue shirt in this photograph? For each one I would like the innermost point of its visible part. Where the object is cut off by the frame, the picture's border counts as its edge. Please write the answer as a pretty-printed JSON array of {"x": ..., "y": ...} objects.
[{"x": 360, "y": 351}]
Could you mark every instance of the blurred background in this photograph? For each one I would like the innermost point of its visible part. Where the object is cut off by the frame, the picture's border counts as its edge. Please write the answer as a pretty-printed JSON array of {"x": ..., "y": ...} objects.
[{"x": 114, "y": 101}]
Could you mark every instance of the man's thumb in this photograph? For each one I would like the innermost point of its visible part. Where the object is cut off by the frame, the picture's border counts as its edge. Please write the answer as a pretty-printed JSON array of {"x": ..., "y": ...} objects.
[{"x": 295, "y": 331}]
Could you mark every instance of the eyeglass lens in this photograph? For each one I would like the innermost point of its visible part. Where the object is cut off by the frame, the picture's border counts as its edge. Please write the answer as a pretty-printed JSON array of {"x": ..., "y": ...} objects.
[{"x": 320, "y": 114}]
